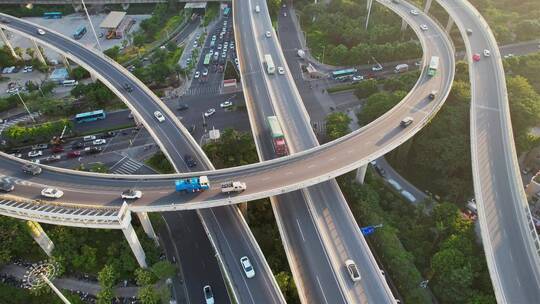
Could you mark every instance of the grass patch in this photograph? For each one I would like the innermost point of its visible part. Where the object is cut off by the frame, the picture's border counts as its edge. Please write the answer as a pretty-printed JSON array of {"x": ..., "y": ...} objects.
[
  {"x": 160, "y": 163},
  {"x": 14, "y": 295}
]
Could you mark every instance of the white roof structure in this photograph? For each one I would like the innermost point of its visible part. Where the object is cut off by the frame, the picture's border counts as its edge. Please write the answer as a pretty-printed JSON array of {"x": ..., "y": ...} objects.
[
  {"x": 194, "y": 5},
  {"x": 112, "y": 20}
]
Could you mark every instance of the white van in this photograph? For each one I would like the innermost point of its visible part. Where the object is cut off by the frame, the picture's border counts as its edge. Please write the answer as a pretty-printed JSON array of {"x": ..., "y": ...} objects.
[
  {"x": 257, "y": 9},
  {"x": 70, "y": 83},
  {"x": 394, "y": 184}
]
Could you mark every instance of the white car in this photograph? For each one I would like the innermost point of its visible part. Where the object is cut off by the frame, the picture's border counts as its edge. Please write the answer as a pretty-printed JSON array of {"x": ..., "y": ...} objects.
[
  {"x": 205, "y": 72},
  {"x": 414, "y": 12},
  {"x": 353, "y": 270},
  {"x": 487, "y": 53},
  {"x": 248, "y": 268},
  {"x": 98, "y": 142},
  {"x": 226, "y": 104},
  {"x": 131, "y": 194},
  {"x": 210, "y": 112},
  {"x": 358, "y": 78},
  {"x": 159, "y": 116},
  {"x": 89, "y": 137},
  {"x": 40, "y": 31},
  {"x": 377, "y": 68},
  {"x": 35, "y": 153},
  {"x": 423, "y": 27},
  {"x": 197, "y": 74},
  {"x": 52, "y": 193},
  {"x": 268, "y": 34},
  {"x": 281, "y": 70},
  {"x": 208, "y": 294}
]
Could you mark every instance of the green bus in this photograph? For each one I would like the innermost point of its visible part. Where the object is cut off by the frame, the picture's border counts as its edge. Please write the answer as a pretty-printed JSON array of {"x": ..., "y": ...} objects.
[{"x": 207, "y": 59}]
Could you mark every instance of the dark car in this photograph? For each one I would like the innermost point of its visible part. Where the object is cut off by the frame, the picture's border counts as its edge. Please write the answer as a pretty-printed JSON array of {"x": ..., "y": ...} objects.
[
  {"x": 31, "y": 169},
  {"x": 6, "y": 186},
  {"x": 127, "y": 87},
  {"x": 109, "y": 134},
  {"x": 77, "y": 145},
  {"x": 182, "y": 107},
  {"x": 93, "y": 150},
  {"x": 190, "y": 162},
  {"x": 73, "y": 154}
]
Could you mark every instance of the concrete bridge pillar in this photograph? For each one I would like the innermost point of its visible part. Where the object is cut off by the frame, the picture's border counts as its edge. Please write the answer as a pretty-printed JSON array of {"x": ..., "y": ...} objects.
[
  {"x": 38, "y": 53},
  {"x": 449, "y": 24},
  {"x": 361, "y": 174},
  {"x": 8, "y": 44},
  {"x": 40, "y": 237},
  {"x": 131, "y": 236},
  {"x": 403, "y": 25},
  {"x": 147, "y": 226},
  {"x": 427, "y": 6},
  {"x": 369, "y": 4},
  {"x": 65, "y": 60}
]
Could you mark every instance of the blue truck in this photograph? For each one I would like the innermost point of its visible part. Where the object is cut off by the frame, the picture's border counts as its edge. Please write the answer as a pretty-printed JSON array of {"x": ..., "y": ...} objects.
[{"x": 193, "y": 184}]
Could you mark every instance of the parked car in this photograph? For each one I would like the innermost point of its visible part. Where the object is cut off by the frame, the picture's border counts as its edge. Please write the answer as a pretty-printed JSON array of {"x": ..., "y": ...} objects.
[
  {"x": 131, "y": 194},
  {"x": 210, "y": 112},
  {"x": 352, "y": 269},
  {"x": 182, "y": 107},
  {"x": 93, "y": 150},
  {"x": 159, "y": 116},
  {"x": 35, "y": 153},
  {"x": 248, "y": 268},
  {"x": 226, "y": 104},
  {"x": 31, "y": 169},
  {"x": 73, "y": 154},
  {"x": 52, "y": 193},
  {"x": 99, "y": 141},
  {"x": 89, "y": 138},
  {"x": 40, "y": 146},
  {"x": 6, "y": 186},
  {"x": 77, "y": 145}
]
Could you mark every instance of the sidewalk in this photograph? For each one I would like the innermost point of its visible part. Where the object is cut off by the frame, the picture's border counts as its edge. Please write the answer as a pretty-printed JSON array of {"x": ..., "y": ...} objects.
[{"x": 70, "y": 283}]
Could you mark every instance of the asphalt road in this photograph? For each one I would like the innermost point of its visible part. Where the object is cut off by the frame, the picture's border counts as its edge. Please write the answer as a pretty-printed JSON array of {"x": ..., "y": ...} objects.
[
  {"x": 175, "y": 141},
  {"x": 507, "y": 235}
]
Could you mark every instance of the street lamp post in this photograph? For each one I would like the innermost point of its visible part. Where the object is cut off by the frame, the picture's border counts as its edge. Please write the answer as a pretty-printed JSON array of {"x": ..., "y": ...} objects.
[
  {"x": 40, "y": 274},
  {"x": 91, "y": 25},
  {"x": 24, "y": 104}
]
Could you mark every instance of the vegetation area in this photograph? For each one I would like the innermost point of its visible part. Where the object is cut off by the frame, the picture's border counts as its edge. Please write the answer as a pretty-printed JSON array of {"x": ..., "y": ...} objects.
[
  {"x": 17, "y": 135},
  {"x": 7, "y": 59},
  {"x": 212, "y": 11},
  {"x": 231, "y": 72},
  {"x": 14, "y": 295},
  {"x": 35, "y": 10},
  {"x": 418, "y": 242},
  {"x": 160, "y": 163},
  {"x": 336, "y": 33},
  {"x": 238, "y": 148}
]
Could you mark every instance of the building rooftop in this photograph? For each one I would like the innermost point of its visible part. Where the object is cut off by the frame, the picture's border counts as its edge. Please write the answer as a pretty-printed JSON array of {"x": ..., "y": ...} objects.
[{"x": 112, "y": 20}]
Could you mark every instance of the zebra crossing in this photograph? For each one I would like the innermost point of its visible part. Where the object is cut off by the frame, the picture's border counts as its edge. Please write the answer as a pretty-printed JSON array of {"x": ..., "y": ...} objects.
[
  {"x": 126, "y": 166},
  {"x": 11, "y": 122},
  {"x": 202, "y": 90}
]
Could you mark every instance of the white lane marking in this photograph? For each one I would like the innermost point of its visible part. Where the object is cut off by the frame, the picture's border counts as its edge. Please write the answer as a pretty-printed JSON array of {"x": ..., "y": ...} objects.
[
  {"x": 322, "y": 290},
  {"x": 300, "y": 229}
]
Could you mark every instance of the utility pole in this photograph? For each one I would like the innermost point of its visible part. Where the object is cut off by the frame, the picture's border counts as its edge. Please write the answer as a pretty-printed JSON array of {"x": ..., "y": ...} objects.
[
  {"x": 92, "y": 26},
  {"x": 24, "y": 104}
]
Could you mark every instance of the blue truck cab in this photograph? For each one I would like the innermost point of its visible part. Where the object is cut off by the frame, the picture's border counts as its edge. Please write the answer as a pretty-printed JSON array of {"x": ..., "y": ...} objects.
[{"x": 193, "y": 184}]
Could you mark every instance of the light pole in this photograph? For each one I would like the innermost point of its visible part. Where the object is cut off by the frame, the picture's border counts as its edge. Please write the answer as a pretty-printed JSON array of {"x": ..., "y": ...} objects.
[
  {"x": 40, "y": 274},
  {"x": 91, "y": 25},
  {"x": 24, "y": 104}
]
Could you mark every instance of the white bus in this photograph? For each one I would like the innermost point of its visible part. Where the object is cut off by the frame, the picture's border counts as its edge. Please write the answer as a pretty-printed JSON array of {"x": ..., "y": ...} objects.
[
  {"x": 270, "y": 67},
  {"x": 433, "y": 65},
  {"x": 70, "y": 82}
]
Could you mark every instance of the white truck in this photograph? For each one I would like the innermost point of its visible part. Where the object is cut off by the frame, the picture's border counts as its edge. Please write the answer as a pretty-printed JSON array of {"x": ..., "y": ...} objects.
[
  {"x": 233, "y": 186},
  {"x": 270, "y": 67}
]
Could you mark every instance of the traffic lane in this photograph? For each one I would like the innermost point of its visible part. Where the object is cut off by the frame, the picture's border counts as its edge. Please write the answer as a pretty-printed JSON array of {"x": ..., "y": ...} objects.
[
  {"x": 306, "y": 250},
  {"x": 393, "y": 174},
  {"x": 196, "y": 256}
]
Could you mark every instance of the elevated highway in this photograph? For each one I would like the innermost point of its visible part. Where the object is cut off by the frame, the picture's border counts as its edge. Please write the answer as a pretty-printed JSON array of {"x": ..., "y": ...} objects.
[{"x": 508, "y": 234}]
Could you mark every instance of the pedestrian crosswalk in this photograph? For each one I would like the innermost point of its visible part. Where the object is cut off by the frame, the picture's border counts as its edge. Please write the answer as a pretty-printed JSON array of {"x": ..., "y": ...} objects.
[
  {"x": 11, "y": 122},
  {"x": 126, "y": 166},
  {"x": 202, "y": 90}
]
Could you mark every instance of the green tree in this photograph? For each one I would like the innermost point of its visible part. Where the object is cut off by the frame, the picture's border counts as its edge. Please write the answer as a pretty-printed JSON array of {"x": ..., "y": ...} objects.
[
  {"x": 105, "y": 296},
  {"x": 163, "y": 269},
  {"x": 144, "y": 277},
  {"x": 337, "y": 125},
  {"x": 148, "y": 295},
  {"x": 79, "y": 73},
  {"x": 378, "y": 104},
  {"x": 107, "y": 276},
  {"x": 112, "y": 52}
]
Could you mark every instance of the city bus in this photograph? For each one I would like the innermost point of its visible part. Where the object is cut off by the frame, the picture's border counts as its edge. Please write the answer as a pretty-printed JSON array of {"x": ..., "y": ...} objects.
[
  {"x": 226, "y": 11},
  {"x": 79, "y": 33},
  {"x": 433, "y": 66},
  {"x": 207, "y": 59},
  {"x": 52, "y": 15},
  {"x": 90, "y": 116},
  {"x": 344, "y": 74}
]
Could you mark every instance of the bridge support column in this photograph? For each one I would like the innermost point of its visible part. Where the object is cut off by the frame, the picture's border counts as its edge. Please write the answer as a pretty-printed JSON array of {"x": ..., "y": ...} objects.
[
  {"x": 40, "y": 237},
  {"x": 8, "y": 44},
  {"x": 361, "y": 174},
  {"x": 147, "y": 226},
  {"x": 427, "y": 6},
  {"x": 369, "y": 4},
  {"x": 38, "y": 53},
  {"x": 65, "y": 60},
  {"x": 131, "y": 236},
  {"x": 403, "y": 25},
  {"x": 449, "y": 24}
]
